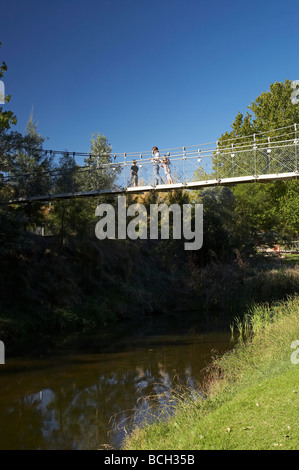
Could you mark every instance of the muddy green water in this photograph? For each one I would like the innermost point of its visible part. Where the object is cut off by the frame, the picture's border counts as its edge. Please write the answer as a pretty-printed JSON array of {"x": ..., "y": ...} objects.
[{"x": 90, "y": 392}]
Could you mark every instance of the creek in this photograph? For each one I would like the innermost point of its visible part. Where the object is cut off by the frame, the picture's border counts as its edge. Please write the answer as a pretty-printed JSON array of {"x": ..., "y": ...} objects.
[{"x": 89, "y": 391}]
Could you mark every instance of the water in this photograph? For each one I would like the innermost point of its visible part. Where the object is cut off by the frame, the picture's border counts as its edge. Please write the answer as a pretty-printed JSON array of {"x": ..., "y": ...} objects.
[{"x": 88, "y": 396}]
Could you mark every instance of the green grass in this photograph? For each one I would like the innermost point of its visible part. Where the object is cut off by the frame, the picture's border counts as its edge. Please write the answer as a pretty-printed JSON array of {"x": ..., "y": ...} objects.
[
  {"x": 252, "y": 399},
  {"x": 291, "y": 258}
]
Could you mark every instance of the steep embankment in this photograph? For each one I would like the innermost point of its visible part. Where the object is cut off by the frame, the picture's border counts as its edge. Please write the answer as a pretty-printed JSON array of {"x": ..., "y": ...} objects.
[{"x": 252, "y": 394}]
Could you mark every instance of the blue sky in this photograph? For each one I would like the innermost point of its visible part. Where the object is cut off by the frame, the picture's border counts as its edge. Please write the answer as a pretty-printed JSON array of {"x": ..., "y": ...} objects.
[{"x": 142, "y": 72}]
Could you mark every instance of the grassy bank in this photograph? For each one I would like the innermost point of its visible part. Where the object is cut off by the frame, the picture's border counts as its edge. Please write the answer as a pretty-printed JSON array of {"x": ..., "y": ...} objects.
[{"x": 251, "y": 393}]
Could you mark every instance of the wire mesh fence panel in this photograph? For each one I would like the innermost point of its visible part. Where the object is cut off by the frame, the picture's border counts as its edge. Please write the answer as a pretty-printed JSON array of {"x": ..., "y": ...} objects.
[{"x": 258, "y": 155}]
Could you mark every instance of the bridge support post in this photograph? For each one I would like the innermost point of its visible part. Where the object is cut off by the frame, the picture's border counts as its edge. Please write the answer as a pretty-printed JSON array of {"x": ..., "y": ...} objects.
[
  {"x": 254, "y": 148},
  {"x": 125, "y": 172},
  {"x": 184, "y": 164}
]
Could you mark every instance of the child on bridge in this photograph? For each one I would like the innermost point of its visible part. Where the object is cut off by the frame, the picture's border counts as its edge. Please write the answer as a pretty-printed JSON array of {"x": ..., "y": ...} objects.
[
  {"x": 134, "y": 173},
  {"x": 167, "y": 171}
]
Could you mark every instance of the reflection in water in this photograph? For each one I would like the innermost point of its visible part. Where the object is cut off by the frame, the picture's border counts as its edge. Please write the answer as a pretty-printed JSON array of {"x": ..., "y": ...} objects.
[{"x": 84, "y": 401}]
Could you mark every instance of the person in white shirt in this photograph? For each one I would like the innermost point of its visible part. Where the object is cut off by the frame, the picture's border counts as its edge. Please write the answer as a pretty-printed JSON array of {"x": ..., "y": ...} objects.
[{"x": 156, "y": 161}]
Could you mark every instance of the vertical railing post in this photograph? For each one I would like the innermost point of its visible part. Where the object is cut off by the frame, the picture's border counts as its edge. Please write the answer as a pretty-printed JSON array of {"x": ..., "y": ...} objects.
[
  {"x": 153, "y": 178},
  {"x": 140, "y": 166},
  {"x": 184, "y": 166},
  {"x": 254, "y": 148},
  {"x": 232, "y": 157},
  {"x": 199, "y": 161},
  {"x": 268, "y": 153},
  {"x": 125, "y": 172},
  {"x": 217, "y": 161},
  {"x": 73, "y": 179}
]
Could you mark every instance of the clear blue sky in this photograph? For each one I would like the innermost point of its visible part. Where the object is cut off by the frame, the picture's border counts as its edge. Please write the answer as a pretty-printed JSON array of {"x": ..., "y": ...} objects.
[{"x": 142, "y": 72}]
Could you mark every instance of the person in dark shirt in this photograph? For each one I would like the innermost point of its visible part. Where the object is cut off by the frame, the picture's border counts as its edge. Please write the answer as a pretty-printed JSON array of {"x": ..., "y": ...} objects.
[{"x": 134, "y": 173}]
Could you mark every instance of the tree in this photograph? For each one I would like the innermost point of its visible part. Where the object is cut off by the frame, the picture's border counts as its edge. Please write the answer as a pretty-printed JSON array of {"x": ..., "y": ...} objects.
[
  {"x": 7, "y": 118},
  {"x": 30, "y": 166},
  {"x": 68, "y": 216},
  {"x": 272, "y": 110},
  {"x": 76, "y": 217},
  {"x": 101, "y": 173},
  {"x": 289, "y": 212},
  {"x": 219, "y": 221},
  {"x": 65, "y": 180},
  {"x": 263, "y": 207},
  {"x": 10, "y": 223}
]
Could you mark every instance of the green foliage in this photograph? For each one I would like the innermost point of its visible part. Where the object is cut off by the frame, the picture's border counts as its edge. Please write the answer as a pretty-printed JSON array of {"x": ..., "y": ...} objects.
[
  {"x": 220, "y": 226},
  {"x": 267, "y": 209},
  {"x": 68, "y": 217},
  {"x": 7, "y": 118},
  {"x": 10, "y": 229},
  {"x": 272, "y": 110},
  {"x": 71, "y": 217},
  {"x": 65, "y": 179},
  {"x": 100, "y": 174},
  {"x": 271, "y": 207},
  {"x": 256, "y": 206},
  {"x": 289, "y": 210},
  {"x": 29, "y": 168},
  {"x": 77, "y": 216}
]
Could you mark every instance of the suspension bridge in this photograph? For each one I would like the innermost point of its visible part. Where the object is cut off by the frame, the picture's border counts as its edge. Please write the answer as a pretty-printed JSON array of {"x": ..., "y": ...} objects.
[{"x": 262, "y": 157}]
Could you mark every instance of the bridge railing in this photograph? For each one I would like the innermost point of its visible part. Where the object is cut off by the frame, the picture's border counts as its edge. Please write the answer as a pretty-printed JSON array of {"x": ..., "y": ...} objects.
[
  {"x": 254, "y": 156},
  {"x": 260, "y": 159}
]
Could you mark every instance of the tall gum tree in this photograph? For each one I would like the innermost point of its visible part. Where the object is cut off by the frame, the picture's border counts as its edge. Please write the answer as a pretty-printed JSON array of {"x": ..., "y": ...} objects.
[{"x": 271, "y": 207}]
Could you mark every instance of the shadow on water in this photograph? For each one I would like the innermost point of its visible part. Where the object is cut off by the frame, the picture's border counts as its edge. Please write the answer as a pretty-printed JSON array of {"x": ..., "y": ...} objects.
[{"x": 93, "y": 388}]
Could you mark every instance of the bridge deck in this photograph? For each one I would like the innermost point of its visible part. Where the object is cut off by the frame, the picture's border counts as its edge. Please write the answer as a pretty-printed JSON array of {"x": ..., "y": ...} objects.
[{"x": 162, "y": 187}]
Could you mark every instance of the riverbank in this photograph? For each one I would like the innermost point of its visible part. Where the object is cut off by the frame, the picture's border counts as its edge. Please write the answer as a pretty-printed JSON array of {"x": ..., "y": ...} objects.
[
  {"x": 251, "y": 393},
  {"x": 50, "y": 290}
]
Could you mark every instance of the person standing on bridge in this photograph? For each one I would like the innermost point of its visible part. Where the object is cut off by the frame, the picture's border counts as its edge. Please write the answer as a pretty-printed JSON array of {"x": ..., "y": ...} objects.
[
  {"x": 134, "y": 173},
  {"x": 166, "y": 167},
  {"x": 156, "y": 161}
]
